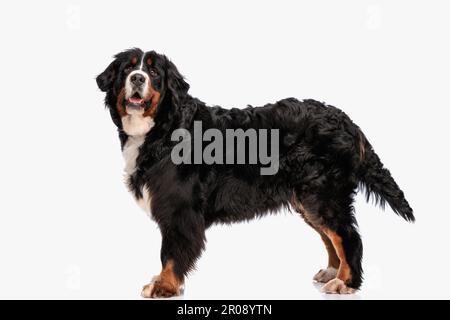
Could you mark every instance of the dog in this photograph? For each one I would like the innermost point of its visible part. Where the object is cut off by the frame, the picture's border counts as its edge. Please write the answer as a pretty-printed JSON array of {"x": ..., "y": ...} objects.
[{"x": 323, "y": 160}]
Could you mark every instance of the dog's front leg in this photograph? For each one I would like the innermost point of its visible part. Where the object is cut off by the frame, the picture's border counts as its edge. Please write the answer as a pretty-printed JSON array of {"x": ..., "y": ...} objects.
[{"x": 183, "y": 239}]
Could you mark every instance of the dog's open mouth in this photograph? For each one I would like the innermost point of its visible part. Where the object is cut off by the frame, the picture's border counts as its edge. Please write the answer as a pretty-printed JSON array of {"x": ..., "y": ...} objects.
[
  {"x": 135, "y": 103},
  {"x": 136, "y": 100}
]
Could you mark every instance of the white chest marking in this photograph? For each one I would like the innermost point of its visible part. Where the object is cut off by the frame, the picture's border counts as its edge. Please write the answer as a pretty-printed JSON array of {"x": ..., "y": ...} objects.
[
  {"x": 130, "y": 153},
  {"x": 135, "y": 124}
]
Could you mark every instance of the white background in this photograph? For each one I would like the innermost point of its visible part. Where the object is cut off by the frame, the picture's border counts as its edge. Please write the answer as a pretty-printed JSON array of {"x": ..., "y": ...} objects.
[{"x": 69, "y": 228}]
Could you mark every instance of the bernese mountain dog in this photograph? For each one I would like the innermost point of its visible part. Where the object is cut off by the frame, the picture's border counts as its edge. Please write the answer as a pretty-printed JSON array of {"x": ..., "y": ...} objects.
[{"x": 323, "y": 159}]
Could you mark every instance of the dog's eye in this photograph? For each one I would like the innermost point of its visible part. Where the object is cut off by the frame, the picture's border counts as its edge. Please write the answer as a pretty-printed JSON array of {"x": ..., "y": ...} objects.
[
  {"x": 128, "y": 69},
  {"x": 153, "y": 72}
]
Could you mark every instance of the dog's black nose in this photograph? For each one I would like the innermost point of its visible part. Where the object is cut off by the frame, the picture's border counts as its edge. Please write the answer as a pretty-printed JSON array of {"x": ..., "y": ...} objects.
[{"x": 137, "y": 79}]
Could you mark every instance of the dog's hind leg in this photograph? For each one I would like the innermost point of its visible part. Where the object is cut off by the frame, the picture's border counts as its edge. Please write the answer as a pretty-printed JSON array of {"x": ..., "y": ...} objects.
[
  {"x": 330, "y": 272},
  {"x": 325, "y": 275},
  {"x": 331, "y": 215},
  {"x": 348, "y": 246}
]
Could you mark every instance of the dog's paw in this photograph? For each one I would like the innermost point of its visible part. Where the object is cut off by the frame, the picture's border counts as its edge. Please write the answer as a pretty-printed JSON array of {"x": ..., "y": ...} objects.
[
  {"x": 159, "y": 288},
  {"x": 337, "y": 286},
  {"x": 325, "y": 275}
]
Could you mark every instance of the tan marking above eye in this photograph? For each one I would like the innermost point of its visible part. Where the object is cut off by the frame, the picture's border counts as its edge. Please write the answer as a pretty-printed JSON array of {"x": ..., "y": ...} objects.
[
  {"x": 149, "y": 61},
  {"x": 134, "y": 60}
]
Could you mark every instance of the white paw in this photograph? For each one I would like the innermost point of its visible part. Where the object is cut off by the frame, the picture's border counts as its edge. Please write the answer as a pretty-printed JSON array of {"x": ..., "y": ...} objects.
[
  {"x": 161, "y": 288},
  {"x": 147, "y": 290},
  {"x": 337, "y": 286},
  {"x": 325, "y": 275}
]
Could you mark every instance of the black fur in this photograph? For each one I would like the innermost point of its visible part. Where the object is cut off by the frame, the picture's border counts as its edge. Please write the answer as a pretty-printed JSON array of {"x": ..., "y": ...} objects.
[{"x": 324, "y": 157}]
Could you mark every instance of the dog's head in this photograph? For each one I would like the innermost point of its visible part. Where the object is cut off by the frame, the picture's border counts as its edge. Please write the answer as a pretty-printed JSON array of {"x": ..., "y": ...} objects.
[{"x": 137, "y": 84}]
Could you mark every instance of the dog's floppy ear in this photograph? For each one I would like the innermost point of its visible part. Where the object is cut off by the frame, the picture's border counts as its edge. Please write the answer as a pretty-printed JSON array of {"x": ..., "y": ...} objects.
[
  {"x": 106, "y": 79},
  {"x": 176, "y": 84}
]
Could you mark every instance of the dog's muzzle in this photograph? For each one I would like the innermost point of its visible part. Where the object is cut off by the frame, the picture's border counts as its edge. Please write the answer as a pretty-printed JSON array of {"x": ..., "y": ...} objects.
[{"x": 136, "y": 92}]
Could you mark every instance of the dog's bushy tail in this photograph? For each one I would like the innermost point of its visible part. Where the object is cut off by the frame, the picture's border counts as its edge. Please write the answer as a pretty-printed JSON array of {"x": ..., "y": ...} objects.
[{"x": 378, "y": 183}]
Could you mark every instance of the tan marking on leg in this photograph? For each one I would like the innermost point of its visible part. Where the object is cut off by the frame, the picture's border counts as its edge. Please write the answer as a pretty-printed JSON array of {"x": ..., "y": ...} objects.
[
  {"x": 324, "y": 275},
  {"x": 338, "y": 274},
  {"x": 165, "y": 285},
  {"x": 333, "y": 259},
  {"x": 343, "y": 277},
  {"x": 344, "y": 272}
]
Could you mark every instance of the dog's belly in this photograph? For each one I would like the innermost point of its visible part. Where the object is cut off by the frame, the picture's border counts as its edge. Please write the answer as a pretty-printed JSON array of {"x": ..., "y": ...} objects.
[
  {"x": 130, "y": 153},
  {"x": 238, "y": 200}
]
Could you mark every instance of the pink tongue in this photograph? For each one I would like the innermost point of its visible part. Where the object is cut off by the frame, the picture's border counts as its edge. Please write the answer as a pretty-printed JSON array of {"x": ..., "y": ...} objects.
[{"x": 136, "y": 100}]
